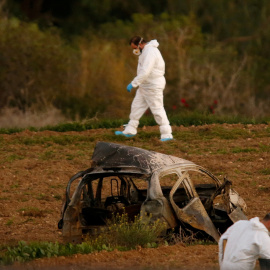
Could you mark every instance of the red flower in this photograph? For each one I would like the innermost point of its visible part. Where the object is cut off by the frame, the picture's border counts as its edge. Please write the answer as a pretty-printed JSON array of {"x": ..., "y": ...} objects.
[
  {"x": 147, "y": 112},
  {"x": 183, "y": 101},
  {"x": 211, "y": 108}
]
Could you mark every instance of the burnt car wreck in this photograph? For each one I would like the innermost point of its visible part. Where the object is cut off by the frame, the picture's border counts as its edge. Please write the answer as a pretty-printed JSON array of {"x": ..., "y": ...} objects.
[{"x": 172, "y": 189}]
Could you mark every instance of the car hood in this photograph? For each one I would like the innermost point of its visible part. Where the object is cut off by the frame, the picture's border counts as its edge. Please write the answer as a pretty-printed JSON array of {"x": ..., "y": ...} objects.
[{"x": 116, "y": 156}]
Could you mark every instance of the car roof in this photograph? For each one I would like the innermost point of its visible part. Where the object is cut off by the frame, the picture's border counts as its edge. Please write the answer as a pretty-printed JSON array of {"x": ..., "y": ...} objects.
[{"x": 111, "y": 155}]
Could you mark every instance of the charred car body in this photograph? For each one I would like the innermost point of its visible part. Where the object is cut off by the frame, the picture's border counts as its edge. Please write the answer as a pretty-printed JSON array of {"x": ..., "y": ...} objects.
[{"x": 174, "y": 190}]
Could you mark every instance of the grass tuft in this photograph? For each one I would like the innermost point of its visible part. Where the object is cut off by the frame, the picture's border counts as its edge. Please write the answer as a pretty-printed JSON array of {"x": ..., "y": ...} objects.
[
  {"x": 141, "y": 232},
  {"x": 31, "y": 212},
  {"x": 265, "y": 171}
]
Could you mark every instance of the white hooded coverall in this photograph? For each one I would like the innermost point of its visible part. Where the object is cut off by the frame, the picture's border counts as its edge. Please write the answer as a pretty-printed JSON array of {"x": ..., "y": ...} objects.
[
  {"x": 246, "y": 242},
  {"x": 151, "y": 81}
]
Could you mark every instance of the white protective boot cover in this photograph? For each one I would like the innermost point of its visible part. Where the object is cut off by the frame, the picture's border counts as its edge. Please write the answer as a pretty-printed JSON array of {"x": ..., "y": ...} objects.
[
  {"x": 166, "y": 132},
  {"x": 131, "y": 127}
]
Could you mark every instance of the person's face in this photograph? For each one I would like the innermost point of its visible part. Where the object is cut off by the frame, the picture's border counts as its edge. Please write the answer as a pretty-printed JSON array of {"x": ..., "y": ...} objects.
[
  {"x": 136, "y": 49},
  {"x": 133, "y": 46},
  {"x": 268, "y": 225}
]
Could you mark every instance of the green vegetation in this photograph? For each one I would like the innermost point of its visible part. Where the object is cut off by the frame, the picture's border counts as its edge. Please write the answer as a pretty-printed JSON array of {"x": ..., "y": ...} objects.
[
  {"x": 119, "y": 234},
  {"x": 47, "y": 155},
  {"x": 57, "y": 197},
  {"x": 129, "y": 235},
  {"x": 265, "y": 171},
  {"x": 9, "y": 222},
  {"x": 29, "y": 251},
  {"x": 181, "y": 119},
  {"x": 243, "y": 150},
  {"x": 43, "y": 197},
  {"x": 77, "y": 60},
  {"x": 264, "y": 147},
  {"x": 14, "y": 157},
  {"x": 16, "y": 185}
]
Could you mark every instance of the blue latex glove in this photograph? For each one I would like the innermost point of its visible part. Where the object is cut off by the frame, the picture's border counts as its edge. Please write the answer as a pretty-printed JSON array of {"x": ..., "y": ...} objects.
[{"x": 129, "y": 87}]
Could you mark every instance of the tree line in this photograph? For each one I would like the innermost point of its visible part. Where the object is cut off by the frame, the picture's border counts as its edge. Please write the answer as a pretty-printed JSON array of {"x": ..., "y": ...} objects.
[{"x": 74, "y": 55}]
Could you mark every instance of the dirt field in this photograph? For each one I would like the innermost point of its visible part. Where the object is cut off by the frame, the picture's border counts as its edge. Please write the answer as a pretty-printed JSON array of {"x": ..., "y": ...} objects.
[{"x": 36, "y": 166}]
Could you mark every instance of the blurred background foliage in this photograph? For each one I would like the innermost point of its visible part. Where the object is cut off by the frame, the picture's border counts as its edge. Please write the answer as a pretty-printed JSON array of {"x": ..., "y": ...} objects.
[{"x": 73, "y": 55}]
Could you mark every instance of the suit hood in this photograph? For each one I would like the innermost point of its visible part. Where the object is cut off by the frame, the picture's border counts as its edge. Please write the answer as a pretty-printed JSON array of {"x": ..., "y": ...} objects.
[
  {"x": 153, "y": 43},
  {"x": 257, "y": 225}
]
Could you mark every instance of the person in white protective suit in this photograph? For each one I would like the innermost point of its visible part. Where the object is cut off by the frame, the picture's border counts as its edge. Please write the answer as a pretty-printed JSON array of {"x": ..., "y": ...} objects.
[
  {"x": 245, "y": 242},
  {"x": 151, "y": 82}
]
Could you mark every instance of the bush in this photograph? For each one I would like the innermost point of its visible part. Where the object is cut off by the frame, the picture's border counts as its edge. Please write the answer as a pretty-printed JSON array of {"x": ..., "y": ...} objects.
[
  {"x": 37, "y": 68},
  {"x": 122, "y": 233}
]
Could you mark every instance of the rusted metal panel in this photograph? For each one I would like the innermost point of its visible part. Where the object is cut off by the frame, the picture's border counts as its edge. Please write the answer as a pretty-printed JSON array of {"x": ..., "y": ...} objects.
[
  {"x": 194, "y": 212},
  {"x": 159, "y": 209},
  {"x": 237, "y": 214}
]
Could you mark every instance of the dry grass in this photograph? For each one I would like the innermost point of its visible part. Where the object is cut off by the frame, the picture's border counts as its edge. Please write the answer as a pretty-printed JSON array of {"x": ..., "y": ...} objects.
[{"x": 13, "y": 117}]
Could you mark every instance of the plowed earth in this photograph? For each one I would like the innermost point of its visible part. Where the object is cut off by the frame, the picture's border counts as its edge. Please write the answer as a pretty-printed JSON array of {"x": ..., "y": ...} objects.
[{"x": 36, "y": 166}]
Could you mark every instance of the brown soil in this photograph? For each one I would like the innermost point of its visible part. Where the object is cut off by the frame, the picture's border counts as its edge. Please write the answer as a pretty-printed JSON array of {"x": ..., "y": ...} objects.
[{"x": 36, "y": 168}]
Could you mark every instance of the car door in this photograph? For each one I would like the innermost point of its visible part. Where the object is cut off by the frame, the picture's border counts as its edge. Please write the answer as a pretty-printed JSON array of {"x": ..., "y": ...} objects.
[{"x": 193, "y": 212}]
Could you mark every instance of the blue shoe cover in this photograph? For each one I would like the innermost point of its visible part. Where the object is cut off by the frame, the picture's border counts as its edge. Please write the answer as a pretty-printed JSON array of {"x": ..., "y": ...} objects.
[
  {"x": 166, "y": 139},
  {"x": 121, "y": 133}
]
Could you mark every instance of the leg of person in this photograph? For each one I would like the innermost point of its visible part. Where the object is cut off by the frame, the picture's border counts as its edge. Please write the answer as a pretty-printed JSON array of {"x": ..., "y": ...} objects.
[
  {"x": 155, "y": 102},
  {"x": 138, "y": 108}
]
